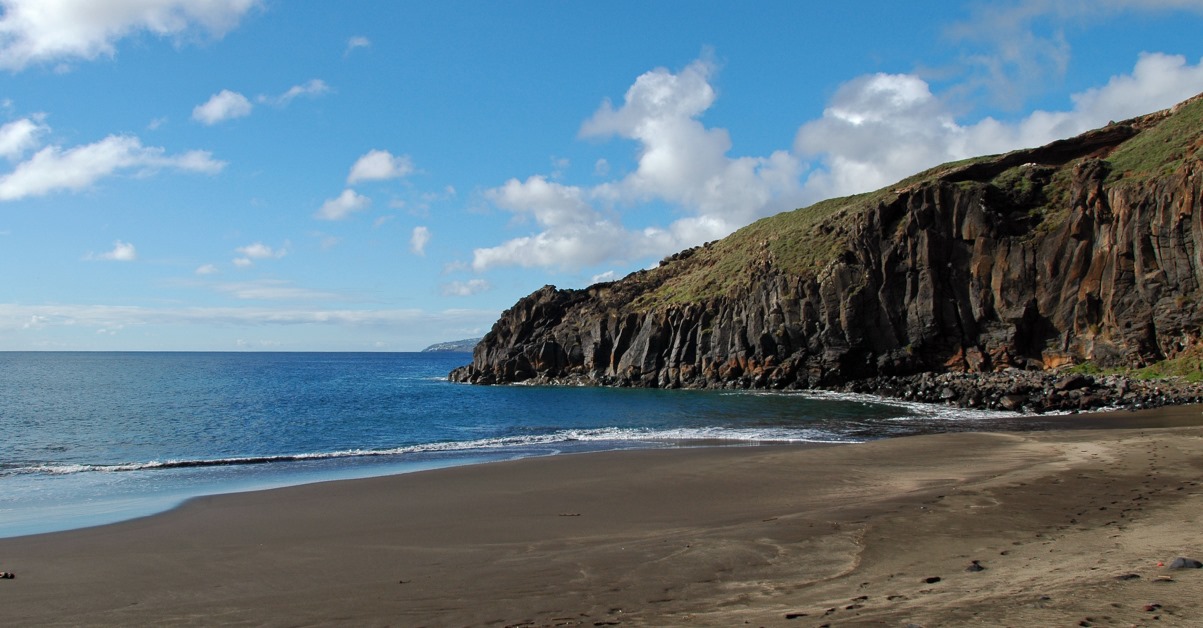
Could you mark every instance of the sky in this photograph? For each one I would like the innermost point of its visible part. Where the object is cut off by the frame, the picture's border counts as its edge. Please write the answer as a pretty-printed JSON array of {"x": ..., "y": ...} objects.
[{"x": 381, "y": 175}]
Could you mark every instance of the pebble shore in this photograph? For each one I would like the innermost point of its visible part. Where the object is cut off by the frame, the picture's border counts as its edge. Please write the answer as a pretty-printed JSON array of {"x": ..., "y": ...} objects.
[{"x": 1032, "y": 391}]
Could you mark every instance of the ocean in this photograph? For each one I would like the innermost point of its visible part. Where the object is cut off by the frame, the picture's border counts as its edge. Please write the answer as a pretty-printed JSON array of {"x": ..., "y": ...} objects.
[{"x": 95, "y": 438}]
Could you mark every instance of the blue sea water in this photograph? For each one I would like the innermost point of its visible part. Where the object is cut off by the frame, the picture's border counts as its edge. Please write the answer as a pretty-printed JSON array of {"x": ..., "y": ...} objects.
[{"x": 93, "y": 438}]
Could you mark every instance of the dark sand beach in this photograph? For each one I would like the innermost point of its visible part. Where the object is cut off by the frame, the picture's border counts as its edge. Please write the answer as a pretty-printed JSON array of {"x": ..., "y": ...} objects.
[{"x": 1069, "y": 526}]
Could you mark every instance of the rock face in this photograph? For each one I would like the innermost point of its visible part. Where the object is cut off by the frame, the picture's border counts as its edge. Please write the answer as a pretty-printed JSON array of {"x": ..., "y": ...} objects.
[{"x": 1089, "y": 249}]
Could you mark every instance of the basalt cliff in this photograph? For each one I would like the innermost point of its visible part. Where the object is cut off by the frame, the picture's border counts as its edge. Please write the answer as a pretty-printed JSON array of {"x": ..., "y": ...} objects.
[{"x": 1087, "y": 250}]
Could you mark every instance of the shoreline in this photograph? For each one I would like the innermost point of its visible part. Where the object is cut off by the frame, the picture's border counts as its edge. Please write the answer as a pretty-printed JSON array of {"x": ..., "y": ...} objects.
[
  {"x": 119, "y": 508},
  {"x": 167, "y": 484},
  {"x": 780, "y": 535}
]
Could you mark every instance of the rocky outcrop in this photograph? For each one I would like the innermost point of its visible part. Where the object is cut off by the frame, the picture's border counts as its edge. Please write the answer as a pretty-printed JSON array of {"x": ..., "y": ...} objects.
[{"x": 1032, "y": 260}]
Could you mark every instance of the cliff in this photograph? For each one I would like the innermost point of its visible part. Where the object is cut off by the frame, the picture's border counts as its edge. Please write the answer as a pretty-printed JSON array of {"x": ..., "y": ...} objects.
[{"x": 1086, "y": 250}]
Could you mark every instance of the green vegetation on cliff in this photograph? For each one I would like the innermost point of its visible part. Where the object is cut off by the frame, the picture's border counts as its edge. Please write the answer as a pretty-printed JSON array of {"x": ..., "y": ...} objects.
[
  {"x": 1164, "y": 147},
  {"x": 797, "y": 242}
]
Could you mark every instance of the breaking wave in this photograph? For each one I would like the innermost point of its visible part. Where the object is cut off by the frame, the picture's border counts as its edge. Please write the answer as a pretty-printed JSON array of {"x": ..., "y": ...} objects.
[{"x": 683, "y": 436}]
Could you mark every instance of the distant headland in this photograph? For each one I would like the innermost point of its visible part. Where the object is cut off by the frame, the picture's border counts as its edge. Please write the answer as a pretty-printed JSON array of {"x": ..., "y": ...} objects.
[{"x": 454, "y": 346}]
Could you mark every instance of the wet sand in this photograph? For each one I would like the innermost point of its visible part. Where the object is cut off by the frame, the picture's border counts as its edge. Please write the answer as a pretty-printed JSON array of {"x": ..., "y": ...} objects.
[{"x": 1068, "y": 524}]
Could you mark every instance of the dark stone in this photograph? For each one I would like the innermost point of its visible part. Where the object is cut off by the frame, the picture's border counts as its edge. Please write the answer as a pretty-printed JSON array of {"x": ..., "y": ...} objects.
[
  {"x": 1185, "y": 563},
  {"x": 1012, "y": 402},
  {"x": 1073, "y": 382}
]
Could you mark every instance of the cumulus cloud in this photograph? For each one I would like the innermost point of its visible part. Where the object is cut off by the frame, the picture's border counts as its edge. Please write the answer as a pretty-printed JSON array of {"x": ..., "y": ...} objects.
[
  {"x": 418, "y": 240},
  {"x": 206, "y": 269},
  {"x": 43, "y": 31},
  {"x": 54, "y": 168},
  {"x": 465, "y": 288},
  {"x": 378, "y": 165},
  {"x": 20, "y": 136},
  {"x": 227, "y": 104},
  {"x": 550, "y": 204},
  {"x": 680, "y": 162},
  {"x": 122, "y": 252},
  {"x": 222, "y": 106},
  {"x": 257, "y": 251},
  {"x": 343, "y": 205},
  {"x": 568, "y": 246},
  {"x": 880, "y": 128}
]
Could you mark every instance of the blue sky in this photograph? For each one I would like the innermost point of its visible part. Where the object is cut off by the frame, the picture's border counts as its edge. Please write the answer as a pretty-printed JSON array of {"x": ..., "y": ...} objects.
[{"x": 383, "y": 175}]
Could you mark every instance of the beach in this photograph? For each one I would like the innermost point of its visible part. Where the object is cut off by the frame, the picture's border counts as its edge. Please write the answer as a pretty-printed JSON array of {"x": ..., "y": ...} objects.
[{"x": 1068, "y": 527}]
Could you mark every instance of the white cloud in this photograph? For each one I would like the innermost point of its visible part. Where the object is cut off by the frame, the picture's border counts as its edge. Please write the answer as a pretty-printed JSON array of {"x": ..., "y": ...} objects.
[
  {"x": 343, "y": 205},
  {"x": 1157, "y": 81},
  {"x": 378, "y": 165},
  {"x": 609, "y": 275},
  {"x": 19, "y": 136},
  {"x": 257, "y": 251},
  {"x": 568, "y": 246},
  {"x": 550, "y": 204},
  {"x": 311, "y": 88},
  {"x": 465, "y": 288},
  {"x": 418, "y": 240},
  {"x": 881, "y": 128},
  {"x": 122, "y": 252},
  {"x": 357, "y": 41},
  {"x": 683, "y": 162},
  {"x": 224, "y": 105},
  {"x": 54, "y": 168},
  {"x": 43, "y": 31},
  {"x": 206, "y": 269},
  {"x": 680, "y": 162}
]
